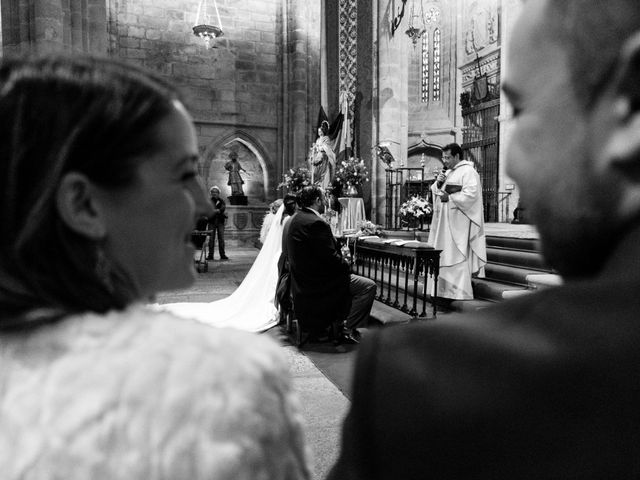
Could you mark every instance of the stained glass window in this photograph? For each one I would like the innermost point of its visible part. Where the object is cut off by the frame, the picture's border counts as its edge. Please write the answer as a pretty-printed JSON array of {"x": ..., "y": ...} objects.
[
  {"x": 425, "y": 68},
  {"x": 436, "y": 65}
]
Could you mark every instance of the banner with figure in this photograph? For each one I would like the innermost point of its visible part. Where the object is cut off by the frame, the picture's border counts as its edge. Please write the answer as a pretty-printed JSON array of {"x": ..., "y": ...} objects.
[{"x": 344, "y": 146}]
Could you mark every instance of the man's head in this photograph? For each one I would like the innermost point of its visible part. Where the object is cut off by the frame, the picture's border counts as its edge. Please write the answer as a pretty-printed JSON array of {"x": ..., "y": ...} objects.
[
  {"x": 313, "y": 197},
  {"x": 451, "y": 155},
  {"x": 573, "y": 81},
  {"x": 214, "y": 192}
]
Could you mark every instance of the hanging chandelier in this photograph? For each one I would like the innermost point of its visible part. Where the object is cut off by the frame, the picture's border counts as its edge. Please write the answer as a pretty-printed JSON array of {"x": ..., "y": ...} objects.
[
  {"x": 204, "y": 28},
  {"x": 413, "y": 32}
]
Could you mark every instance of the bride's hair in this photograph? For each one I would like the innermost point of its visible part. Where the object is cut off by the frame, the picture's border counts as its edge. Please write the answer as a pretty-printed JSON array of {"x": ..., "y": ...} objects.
[{"x": 275, "y": 205}]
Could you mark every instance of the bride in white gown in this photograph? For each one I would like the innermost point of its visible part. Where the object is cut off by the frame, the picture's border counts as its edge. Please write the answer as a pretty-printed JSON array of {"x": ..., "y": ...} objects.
[{"x": 251, "y": 306}]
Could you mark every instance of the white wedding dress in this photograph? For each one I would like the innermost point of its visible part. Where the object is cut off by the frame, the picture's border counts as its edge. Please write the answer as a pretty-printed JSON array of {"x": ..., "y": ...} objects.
[{"x": 251, "y": 306}]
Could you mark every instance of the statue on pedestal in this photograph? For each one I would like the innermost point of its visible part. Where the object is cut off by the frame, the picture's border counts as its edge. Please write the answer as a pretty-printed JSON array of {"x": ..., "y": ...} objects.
[
  {"x": 322, "y": 158},
  {"x": 235, "y": 180}
]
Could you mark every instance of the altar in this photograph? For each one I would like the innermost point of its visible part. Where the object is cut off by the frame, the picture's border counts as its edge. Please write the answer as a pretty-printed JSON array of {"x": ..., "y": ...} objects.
[{"x": 352, "y": 214}]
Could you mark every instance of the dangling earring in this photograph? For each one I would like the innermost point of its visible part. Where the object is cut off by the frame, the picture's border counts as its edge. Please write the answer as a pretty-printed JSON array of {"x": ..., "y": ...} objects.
[{"x": 103, "y": 268}]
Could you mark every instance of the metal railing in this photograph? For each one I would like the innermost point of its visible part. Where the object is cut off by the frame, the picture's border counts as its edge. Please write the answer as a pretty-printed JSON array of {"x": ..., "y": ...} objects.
[{"x": 400, "y": 271}]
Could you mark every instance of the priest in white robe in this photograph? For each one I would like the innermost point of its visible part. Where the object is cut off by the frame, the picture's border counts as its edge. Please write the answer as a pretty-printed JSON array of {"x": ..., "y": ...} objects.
[{"x": 457, "y": 225}]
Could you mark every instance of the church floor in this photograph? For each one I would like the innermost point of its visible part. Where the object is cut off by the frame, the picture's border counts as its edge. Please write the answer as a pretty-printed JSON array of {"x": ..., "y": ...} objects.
[{"x": 323, "y": 403}]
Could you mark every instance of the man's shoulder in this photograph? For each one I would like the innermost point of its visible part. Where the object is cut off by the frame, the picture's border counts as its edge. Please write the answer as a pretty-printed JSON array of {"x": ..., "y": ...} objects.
[
  {"x": 544, "y": 325},
  {"x": 465, "y": 166}
]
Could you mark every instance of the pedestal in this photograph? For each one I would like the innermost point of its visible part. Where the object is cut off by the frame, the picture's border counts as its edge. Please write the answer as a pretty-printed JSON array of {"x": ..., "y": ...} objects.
[
  {"x": 243, "y": 224},
  {"x": 238, "y": 200}
]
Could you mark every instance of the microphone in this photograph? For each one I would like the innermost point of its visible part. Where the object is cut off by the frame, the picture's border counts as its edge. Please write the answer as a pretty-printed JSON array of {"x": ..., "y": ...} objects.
[{"x": 442, "y": 172}]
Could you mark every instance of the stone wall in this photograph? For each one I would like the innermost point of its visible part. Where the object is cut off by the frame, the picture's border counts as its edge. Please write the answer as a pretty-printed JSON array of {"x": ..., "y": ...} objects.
[
  {"x": 434, "y": 120},
  {"x": 233, "y": 89},
  {"x": 254, "y": 92},
  {"x": 44, "y": 26}
]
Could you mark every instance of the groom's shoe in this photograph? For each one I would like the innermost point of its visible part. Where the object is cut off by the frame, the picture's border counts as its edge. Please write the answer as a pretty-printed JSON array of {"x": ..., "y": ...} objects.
[
  {"x": 224, "y": 257},
  {"x": 350, "y": 337}
]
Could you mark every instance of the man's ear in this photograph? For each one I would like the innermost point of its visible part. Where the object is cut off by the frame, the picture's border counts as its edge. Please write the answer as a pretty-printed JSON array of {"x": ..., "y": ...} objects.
[
  {"x": 622, "y": 148},
  {"x": 76, "y": 203}
]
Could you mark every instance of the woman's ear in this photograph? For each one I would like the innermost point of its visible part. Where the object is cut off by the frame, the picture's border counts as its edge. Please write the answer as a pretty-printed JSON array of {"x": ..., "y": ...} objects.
[{"x": 76, "y": 203}]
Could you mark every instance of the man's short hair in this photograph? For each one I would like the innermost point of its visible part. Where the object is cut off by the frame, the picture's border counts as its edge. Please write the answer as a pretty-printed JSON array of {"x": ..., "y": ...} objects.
[
  {"x": 309, "y": 194},
  {"x": 454, "y": 149},
  {"x": 592, "y": 34}
]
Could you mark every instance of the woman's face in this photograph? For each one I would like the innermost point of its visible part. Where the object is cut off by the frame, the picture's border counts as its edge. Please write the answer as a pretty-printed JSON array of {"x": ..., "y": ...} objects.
[{"x": 149, "y": 225}]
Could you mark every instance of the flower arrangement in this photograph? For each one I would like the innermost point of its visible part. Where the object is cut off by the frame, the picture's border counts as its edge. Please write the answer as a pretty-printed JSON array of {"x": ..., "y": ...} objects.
[
  {"x": 296, "y": 179},
  {"x": 415, "y": 210},
  {"x": 367, "y": 227},
  {"x": 352, "y": 172}
]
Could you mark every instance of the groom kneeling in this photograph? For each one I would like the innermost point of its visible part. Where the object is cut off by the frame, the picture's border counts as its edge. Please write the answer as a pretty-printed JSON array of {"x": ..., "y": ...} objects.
[{"x": 323, "y": 288}]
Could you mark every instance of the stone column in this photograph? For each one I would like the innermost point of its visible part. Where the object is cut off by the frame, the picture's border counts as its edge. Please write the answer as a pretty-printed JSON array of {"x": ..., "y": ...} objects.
[
  {"x": 510, "y": 12},
  {"x": 391, "y": 96},
  {"x": 301, "y": 78},
  {"x": 42, "y": 26}
]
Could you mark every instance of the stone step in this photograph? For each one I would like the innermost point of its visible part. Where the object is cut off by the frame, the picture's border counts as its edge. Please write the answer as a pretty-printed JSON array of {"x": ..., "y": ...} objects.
[
  {"x": 387, "y": 315},
  {"x": 466, "y": 306},
  {"x": 544, "y": 280},
  {"x": 517, "y": 258},
  {"x": 526, "y": 244},
  {"x": 509, "y": 274},
  {"x": 486, "y": 289}
]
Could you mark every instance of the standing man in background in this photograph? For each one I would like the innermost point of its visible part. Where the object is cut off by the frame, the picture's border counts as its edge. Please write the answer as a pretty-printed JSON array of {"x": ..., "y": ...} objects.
[
  {"x": 457, "y": 226},
  {"x": 216, "y": 223}
]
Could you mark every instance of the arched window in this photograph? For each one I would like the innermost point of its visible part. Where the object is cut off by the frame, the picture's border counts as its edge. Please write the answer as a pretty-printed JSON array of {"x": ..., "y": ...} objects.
[
  {"x": 436, "y": 65},
  {"x": 430, "y": 91},
  {"x": 425, "y": 69}
]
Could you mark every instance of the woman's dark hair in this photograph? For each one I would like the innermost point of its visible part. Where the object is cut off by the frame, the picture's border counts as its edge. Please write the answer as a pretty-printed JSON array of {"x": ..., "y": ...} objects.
[
  {"x": 60, "y": 114},
  {"x": 290, "y": 201}
]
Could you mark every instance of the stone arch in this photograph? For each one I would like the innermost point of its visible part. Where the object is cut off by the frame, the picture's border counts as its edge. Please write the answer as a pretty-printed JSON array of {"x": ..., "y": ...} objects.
[{"x": 227, "y": 141}]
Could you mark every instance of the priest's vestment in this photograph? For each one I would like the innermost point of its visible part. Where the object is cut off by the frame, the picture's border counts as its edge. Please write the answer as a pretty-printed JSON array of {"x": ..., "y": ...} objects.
[{"x": 457, "y": 228}]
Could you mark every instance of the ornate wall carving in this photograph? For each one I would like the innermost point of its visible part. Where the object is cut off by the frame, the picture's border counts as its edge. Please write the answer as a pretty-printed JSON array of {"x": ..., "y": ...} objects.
[
  {"x": 481, "y": 26},
  {"x": 488, "y": 65},
  {"x": 347, "y": 54}
]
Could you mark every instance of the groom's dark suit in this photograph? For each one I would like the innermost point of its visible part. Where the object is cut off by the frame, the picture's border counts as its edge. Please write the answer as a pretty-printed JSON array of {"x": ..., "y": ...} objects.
[{"x": 319, "y": 276}]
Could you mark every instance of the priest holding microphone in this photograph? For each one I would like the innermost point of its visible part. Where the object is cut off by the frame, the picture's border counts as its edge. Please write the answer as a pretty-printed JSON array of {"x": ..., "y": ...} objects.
[{"x": 457, "y": 225}]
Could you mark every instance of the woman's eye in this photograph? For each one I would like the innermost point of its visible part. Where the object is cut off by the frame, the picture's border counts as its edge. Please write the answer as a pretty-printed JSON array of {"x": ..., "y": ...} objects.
[{"x": 188, "y": 176}]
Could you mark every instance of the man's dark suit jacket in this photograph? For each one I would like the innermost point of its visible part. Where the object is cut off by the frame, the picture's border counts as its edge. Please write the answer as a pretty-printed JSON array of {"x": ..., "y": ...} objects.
[
  {"x": 546, "y": 386},
  {"x": 319, "y": 276}
]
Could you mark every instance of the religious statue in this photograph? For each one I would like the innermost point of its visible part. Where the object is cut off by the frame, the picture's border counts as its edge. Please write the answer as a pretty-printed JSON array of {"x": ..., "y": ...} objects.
[
  {"x": 322, "y": 157},
  {"x": 235, "y": 179}
]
